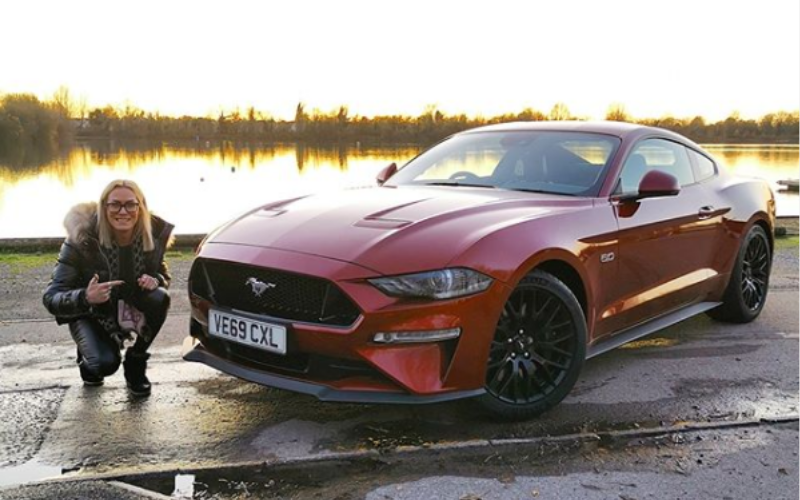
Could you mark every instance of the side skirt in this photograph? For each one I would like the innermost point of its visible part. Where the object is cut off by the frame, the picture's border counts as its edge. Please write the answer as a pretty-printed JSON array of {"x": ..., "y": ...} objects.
[{"x": 654, "y": 325}]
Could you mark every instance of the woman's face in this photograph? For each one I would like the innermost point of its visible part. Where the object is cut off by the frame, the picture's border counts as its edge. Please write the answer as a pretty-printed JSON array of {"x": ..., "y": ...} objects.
[{"x": 122, "y": 209}]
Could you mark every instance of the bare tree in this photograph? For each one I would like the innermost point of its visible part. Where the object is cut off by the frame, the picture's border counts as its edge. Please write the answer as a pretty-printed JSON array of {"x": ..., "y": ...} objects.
[
  {"x": 617, "y": 113},
  {"x": 560, "y": 111},
  {"x": 63, "y": 103},
  {"x": 82, "y": 108}
]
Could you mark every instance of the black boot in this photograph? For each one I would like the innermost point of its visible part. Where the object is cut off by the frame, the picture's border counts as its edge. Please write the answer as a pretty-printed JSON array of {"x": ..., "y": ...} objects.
[
  {"x": 135, "y": 366},
  {"x": 89, "y": 378}
]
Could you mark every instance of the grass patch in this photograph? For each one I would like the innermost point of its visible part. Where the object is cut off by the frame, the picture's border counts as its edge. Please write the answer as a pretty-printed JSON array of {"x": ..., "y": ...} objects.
[
  {"x": 787, "y": 242},
  {"x": 25, "y": 261},
  {"x": 179, "y": 255}
]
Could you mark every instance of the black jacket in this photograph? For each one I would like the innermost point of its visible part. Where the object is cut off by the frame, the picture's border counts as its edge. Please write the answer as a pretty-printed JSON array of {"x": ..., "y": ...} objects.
[{"x": 81, "y": 258}]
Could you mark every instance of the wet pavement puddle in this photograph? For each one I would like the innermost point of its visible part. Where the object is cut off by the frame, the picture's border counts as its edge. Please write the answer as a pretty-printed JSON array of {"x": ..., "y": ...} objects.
[{"x": 32, "y": 470}]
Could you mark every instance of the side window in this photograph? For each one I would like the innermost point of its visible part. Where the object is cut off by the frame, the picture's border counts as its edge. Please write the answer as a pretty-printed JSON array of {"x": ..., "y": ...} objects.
[
  {"x": 704, "y": 168},
  {"x": 655, "y": 154}
]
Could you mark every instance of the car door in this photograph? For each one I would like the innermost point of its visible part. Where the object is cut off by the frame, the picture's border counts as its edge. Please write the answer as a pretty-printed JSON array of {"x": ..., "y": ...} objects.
[{"x": 665, "y": 244}]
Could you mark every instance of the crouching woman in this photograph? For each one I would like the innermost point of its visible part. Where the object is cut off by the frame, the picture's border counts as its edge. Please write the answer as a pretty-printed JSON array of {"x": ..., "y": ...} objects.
[{"x": 109, "y": 284}]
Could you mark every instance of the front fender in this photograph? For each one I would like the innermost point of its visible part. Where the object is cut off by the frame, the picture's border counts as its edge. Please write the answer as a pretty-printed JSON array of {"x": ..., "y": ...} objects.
[{"x": 576, "y": 238}]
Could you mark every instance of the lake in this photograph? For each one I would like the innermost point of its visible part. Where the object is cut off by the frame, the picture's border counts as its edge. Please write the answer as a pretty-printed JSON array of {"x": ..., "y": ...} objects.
[{"x": 200, "y": 186}]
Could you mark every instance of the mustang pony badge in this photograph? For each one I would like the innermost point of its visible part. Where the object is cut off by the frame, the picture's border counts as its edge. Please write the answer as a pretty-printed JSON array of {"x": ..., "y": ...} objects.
[{"x": 259, "y": 287}]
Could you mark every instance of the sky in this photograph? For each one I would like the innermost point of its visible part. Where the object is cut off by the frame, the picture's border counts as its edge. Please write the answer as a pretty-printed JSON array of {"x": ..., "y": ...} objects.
[{"x": 680, "y": 58}]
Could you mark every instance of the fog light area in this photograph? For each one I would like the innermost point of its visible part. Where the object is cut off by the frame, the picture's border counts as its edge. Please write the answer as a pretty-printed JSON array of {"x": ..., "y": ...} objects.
[{"x": 413, "y": 337}]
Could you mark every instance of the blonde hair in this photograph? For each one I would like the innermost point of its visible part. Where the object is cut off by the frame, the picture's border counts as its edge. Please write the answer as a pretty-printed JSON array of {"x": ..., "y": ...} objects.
[{"x": 144, "y": 224}]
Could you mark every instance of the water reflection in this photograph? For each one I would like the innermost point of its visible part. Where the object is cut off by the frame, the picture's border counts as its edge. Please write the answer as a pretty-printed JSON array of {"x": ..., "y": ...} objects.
[
  {"x": 30, "y": 471},
  {"x": 199, "y": 185},
  {"x": 772, "y": 162},
  {"x": 196, "y": 186}
]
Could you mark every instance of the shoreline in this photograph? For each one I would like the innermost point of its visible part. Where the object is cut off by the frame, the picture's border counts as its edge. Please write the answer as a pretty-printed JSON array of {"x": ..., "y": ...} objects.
[{"x": 788, "y": 224}]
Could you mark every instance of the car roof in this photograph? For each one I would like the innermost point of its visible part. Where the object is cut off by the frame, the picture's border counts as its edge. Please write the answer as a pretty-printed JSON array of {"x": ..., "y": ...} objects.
[{"x": 622, "y": 130}]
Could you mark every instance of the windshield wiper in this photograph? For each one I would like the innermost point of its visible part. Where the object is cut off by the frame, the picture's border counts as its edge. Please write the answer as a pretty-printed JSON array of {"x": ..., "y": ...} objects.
[
  {"x": 459, "y": 184},
  {"x": 542, "y": 191}
]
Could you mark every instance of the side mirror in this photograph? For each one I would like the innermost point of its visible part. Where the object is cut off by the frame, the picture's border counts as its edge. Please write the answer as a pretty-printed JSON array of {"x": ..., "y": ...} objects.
[
  {"x": 657, "y": 183},
  {"x": 654, "y": 184},
  {"x": 386, "y": 173}
]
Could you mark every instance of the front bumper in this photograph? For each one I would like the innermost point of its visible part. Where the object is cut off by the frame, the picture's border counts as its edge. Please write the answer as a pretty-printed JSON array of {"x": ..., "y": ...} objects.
[
  {"x": 193, "y": 350},
  {"x": 342, "y": 363}
]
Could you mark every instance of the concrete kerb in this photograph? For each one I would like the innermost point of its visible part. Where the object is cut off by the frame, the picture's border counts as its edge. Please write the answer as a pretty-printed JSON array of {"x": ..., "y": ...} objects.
[
  {"x": 140, "y": 492},
  {"x": 409, "y": 453},
  {"x": 32, "y": 245}
]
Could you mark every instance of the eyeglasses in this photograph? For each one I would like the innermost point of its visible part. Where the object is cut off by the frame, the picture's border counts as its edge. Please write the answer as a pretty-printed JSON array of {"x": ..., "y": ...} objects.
[{"x": 129, "y": 206}]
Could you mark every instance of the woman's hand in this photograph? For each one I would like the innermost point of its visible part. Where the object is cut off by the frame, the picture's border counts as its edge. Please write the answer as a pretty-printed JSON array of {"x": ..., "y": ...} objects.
[
  {"x": 98, "y": 293},
  {"x": 147, "y": 282}
]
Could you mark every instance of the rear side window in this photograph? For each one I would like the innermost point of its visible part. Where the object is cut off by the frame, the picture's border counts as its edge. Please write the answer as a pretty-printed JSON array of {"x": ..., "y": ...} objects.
[
  {"x": 658, "y": 154},
  {"x": 704, "y": 168}
]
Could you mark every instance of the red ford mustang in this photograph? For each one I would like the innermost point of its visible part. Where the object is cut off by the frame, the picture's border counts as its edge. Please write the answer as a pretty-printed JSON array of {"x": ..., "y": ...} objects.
[{"x": 490, "y": 266}]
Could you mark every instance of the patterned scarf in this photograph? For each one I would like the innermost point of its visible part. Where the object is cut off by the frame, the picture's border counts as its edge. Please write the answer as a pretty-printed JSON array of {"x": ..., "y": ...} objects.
[{"x": 112, "y": 256}]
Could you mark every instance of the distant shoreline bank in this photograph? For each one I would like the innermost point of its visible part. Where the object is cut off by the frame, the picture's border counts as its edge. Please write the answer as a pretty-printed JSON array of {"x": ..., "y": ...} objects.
[
  {"x": 352, "y": 142},
  {"x": 27, "y": 122}
]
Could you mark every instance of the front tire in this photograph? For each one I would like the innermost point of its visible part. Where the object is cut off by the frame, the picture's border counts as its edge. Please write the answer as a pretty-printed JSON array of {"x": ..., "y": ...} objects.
[
  {"x": 747, "y": 289},
  {"x": 537, "y": 351}
]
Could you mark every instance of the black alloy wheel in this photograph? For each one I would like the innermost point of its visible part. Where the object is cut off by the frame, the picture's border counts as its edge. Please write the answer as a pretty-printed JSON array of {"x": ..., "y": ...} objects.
[
  {"x": 538, "y": 349},
  {"x": 755, "y": 273},
  {"x": 746, "y": 294}
]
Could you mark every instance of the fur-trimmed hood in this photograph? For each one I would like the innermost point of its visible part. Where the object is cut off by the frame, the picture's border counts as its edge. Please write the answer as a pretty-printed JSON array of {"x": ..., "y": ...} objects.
[{"x": 81, "y": 225}]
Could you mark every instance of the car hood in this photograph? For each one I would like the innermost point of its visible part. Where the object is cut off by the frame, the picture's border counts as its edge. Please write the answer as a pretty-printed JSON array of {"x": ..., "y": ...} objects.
[{"x": 390, "y": 230}]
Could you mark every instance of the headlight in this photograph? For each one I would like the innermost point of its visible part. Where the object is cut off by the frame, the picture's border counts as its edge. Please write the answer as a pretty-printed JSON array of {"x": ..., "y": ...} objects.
[{"x": 442, "y": 284}]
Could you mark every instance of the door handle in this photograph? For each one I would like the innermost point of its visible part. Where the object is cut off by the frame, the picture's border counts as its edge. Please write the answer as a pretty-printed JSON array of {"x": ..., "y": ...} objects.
[{"x": 706, "y": 212}]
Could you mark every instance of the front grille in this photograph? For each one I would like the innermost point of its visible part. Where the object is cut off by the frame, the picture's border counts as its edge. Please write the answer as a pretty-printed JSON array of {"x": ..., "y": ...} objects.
[
  {"x": 293, "y": 363},
  {"x": 284, "y": 295}
]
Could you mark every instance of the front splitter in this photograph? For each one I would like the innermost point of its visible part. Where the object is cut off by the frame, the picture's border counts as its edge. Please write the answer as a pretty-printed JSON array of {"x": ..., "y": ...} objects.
[{"x": 196, "y": 352}]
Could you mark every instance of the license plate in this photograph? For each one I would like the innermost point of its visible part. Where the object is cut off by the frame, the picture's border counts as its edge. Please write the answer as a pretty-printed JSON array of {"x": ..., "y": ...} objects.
[{"x": 250, "y": 332}]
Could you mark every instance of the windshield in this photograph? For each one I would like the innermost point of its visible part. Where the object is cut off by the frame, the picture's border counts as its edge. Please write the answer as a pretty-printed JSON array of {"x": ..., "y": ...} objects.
[{"x": 552, "y": 162}]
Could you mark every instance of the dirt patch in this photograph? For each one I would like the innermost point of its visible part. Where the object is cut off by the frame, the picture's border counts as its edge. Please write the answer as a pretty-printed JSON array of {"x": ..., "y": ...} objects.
[{"x": 23, "y": 278}]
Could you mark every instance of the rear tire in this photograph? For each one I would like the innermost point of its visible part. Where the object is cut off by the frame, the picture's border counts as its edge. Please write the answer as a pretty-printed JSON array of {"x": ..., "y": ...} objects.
[
  {"x": 537, "y": 351},
  {"x": 747, "y": 289}
]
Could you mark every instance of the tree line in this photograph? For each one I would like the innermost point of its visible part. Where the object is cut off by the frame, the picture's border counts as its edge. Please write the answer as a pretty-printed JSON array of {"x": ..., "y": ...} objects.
[{"x": 26, "y": 121}]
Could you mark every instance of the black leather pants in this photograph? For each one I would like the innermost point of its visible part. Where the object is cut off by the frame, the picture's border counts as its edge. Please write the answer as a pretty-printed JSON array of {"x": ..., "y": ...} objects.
[{"x": 100, "y": 352}]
